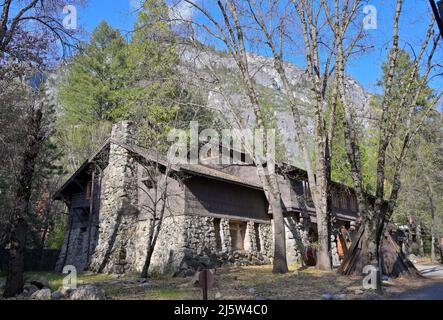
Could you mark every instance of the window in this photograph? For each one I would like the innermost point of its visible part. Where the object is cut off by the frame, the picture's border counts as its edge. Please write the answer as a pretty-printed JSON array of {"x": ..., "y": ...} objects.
[
  {"x": 148, "y": 183},
  {"x": 353, "y": 203},
  {"x": 237, "y": 230},
  {"x": 344, "y": 200},
  {"x": 307, "y": 194},
  {"x": 88, "y": 190},
  {"x": 257, "y": 236},
  {"x": 217, "y": 231},
  {"x": 335, "y": 200}
]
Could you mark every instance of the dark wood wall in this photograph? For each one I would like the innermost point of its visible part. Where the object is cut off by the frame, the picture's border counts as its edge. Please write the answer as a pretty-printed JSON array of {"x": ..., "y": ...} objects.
[{"x": 207, "y": 196}]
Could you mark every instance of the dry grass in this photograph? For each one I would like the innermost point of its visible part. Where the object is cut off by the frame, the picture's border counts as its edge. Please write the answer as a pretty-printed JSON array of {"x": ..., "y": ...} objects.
[{"x": 239, "y": 283}]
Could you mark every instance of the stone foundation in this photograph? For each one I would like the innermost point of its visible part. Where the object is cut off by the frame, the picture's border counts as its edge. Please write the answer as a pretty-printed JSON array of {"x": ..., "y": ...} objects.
[
  {"x": 296, "y": 239},
  {"x": 187, "y": 243},
  {"x": 202, "y": 251}
]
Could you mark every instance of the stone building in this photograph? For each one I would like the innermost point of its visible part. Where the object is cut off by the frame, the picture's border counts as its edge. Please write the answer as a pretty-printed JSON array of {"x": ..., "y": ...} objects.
[{"x": 216, "y": 214}]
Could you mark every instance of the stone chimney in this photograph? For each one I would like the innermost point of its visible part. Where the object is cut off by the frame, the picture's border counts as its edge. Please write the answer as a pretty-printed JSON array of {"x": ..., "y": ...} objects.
[
  {"x": 124, "y": 131},
  {"x": 118, "y": 213}
]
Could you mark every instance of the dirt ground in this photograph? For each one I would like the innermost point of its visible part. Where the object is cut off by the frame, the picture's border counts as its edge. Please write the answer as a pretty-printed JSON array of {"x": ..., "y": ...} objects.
[
  {"x": 238, "y": 283},
  {"x": 242, "y": 283}
]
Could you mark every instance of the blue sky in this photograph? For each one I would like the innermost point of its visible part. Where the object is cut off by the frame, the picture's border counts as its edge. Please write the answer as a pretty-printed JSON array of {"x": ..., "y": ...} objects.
[{"x": 364, "y": 68}]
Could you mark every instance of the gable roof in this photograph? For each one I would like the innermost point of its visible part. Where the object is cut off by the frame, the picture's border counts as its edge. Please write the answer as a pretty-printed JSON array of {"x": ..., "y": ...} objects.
[{"x": 193, "y": 169}]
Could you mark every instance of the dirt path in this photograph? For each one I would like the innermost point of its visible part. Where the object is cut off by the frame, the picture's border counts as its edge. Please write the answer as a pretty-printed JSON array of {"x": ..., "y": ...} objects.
[
  {"x": 431, "y": 271},
  {"x": 427, "y": 289},
  {"x": 430, "y": 292}
]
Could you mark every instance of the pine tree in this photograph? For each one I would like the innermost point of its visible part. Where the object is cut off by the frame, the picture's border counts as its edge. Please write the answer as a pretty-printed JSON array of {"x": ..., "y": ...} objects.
[{"x": 96, "y": 79}]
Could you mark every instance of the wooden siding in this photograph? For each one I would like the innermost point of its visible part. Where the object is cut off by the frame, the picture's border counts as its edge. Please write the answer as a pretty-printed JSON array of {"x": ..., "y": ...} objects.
[
  {"x": 79, "y": 200},
  {"x": 205, "y": 197}
]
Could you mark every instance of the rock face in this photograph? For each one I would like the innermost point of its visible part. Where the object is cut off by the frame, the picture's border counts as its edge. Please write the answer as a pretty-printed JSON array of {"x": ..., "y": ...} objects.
[
  {"x": 88, "y": 293},
  {"x": 43, "y": 294},
  {"x": 29, "y": 289},
  {"x": 57, "y": 295},
  {"x": 40, "y": 283},
  {"x": 195, "y": 67}
]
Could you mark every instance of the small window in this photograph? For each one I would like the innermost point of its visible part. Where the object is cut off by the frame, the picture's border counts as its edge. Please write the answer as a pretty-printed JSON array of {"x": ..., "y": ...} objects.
[
  {"x": 344, "y": 200},
  {"x": 237, "y": 229},
  {"x": 335, "y": 200},
  {"x": 217, "y": 231},
  {"x": 148, "y": 183},
  {"x": 353, "y": 203},
  {"x": 88, "y": 190},
  {"x": 307, "y": 194},
  {"x": 257, "y": 236}
]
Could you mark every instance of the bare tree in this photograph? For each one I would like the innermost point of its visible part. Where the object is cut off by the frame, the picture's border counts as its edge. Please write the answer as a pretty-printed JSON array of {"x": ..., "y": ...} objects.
[
  {"x": 159, "y": 204},
  {"x": 278, "y": 29},
  {"x": 26, "y": 21},
  {"x": 432, "y": 203},
  {"x": 225, "y": 26},
  {"x": 27, "y": 33},
  {"x": 366, "y": 248},
  {"x": 18, "y": 219}
]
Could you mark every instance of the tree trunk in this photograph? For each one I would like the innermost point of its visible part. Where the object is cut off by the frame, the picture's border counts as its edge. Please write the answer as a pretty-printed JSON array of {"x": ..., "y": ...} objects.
[
  {"x": 14, "y": 280},
  {"x": 280, "y": 264},
  {"x": 432, "y": 248},
  {"x": 324, "y": 257},
  {"x": 390, "y": 260},
  {"x": 363, "y": 251},
  {"x": 147, "y": 263},
  {"x": 441, "y": 252},
  {"x": 419, "y": 240}
]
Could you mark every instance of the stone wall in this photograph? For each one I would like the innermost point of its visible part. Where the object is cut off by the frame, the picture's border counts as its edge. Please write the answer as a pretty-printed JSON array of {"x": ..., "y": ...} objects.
[
  {"x": 296, "y": 238},
  {"x": 200, "y": 245},
  {"x": 115, "y": 249},
  {"x": 188, "y": 242},
  {"x": 169, "y": 250}
]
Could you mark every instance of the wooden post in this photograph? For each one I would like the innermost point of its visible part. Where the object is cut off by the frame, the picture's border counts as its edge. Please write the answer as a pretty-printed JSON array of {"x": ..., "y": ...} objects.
[
  {"x": 91, "y": 212},
  {"x": 205, "y": 284},
  {"x": 205, "y": 281}
]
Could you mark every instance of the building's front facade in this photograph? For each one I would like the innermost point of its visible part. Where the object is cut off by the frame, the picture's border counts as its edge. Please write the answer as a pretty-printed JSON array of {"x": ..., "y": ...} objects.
[{"x": 215, "y": 215}]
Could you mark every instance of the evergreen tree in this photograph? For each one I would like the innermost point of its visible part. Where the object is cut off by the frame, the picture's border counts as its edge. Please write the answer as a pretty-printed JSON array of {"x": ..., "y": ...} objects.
[{"x": 96, "y": 79}]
